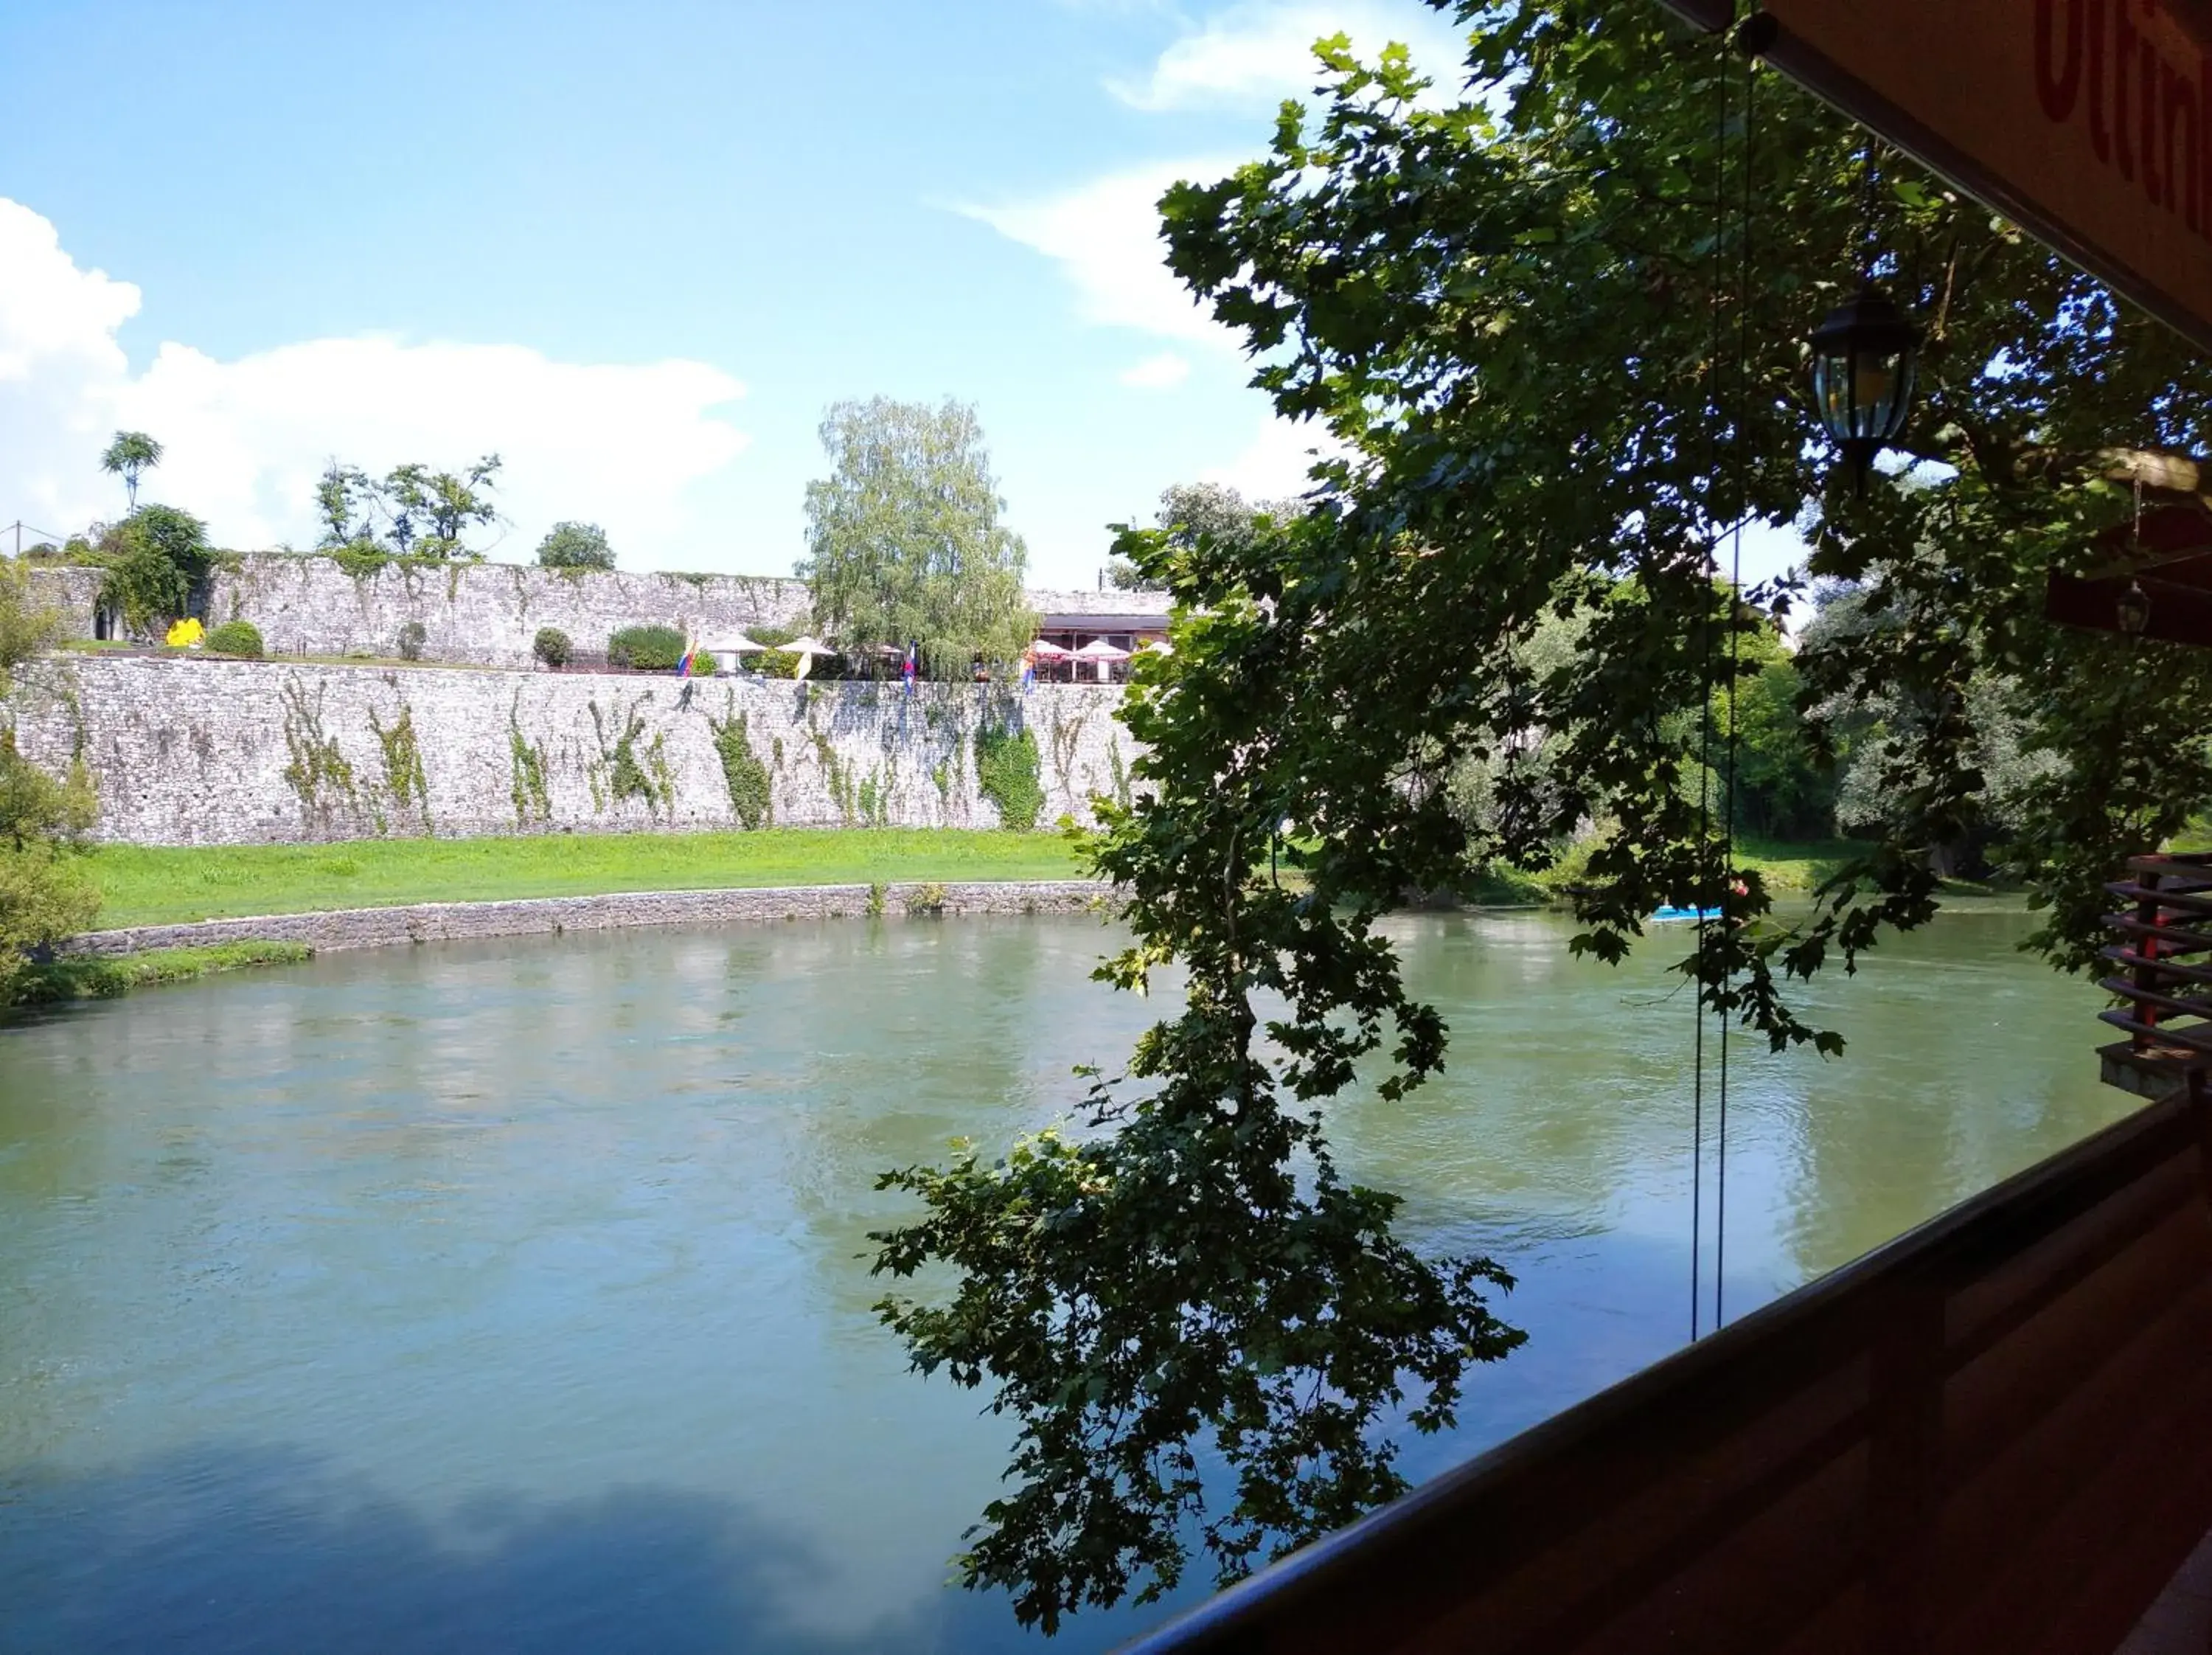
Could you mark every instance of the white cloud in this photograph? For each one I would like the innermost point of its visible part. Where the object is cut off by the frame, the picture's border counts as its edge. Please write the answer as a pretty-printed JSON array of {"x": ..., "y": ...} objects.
[
  {"x": 1258, "y": 52},
  {"x": 1274, "y": 465},
  {"x": 1105, "y": 235},
  {"x": 1161, "y": 373},
  {"x": 246, "y": 438}
]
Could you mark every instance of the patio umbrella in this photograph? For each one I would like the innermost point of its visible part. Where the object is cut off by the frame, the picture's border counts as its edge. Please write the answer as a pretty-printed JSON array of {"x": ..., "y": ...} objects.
[
  {"x": 806, "y": 650},
  {"x": 735, "y": 645},
  {"x": 1043, "y": 650},
  {"x": 1101, "y": 651}
]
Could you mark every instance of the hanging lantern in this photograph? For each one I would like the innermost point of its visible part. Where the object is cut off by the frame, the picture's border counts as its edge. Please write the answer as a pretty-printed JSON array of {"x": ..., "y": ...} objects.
[
  {"x": 1864, "y": 357},
  {"x": 2134, "y": 610}
]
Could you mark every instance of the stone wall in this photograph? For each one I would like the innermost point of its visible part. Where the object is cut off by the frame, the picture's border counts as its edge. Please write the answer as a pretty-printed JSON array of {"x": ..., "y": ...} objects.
[
  {"x": 194, "y": 750},
  {"x": 376, "y": 928},
  {"x": 484, "y": 613},
  {"x": 72, "y": 590},
  {"x": 488, "y": 613}
]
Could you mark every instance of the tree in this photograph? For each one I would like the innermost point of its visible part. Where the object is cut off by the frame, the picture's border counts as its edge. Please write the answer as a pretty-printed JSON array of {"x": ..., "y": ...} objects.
[
  {"x": 575, "y": 546},
  {"x": 903, "y": 537},
  {"x": 1189, "y": 510},
  {"x": 429, "y": 511},
  {"x": 345, "y": 499},
  {"x": 45, "y": 894},
  {"x": 157, "y": 558},
  {"x": 1562, "y": 374},
  {"x": 1879, "y": 736},
  {"x": 130, "y": 456}
]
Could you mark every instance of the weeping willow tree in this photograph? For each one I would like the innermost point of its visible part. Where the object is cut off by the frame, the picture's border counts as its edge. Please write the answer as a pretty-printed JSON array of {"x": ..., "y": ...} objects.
[
  {"x": 1555, "y": 326},
  {"x": 904, "y": 545}
]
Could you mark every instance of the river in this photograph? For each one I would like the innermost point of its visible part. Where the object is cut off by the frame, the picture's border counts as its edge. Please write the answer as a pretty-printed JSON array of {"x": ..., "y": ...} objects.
[{"x": 512, "y": 1296}]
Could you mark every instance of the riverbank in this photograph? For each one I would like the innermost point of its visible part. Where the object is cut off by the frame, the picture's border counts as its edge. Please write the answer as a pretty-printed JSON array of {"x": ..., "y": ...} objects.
[
  {"x": 1789, "y": 868},
  {"x": 377, "y": 928},
  {"x": 142, "y": 887},
  {"x": 91, "y": 976}
]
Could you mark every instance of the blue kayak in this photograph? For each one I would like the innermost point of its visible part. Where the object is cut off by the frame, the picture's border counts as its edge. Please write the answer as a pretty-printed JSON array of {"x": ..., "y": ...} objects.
[{"x": 1671, "y": 912}]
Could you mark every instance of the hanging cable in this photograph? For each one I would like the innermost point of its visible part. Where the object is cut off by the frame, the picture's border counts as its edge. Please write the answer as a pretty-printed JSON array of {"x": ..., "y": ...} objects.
[
  {"x": 1735, "y": 637},
  {"x": 1713, "y": 403}
]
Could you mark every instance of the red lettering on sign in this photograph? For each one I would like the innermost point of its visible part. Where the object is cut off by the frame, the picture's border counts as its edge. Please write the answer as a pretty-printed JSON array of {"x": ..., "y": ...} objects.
[
  {"x": 2100, "y": 139},
  {"x": 2178, "y": 103},
  {"x": 2059, "y": 90},
  {"x": 2124, "y": 64},
  {"x": 2155, "y": 178},
  {"x": 2204, "y": 171}
]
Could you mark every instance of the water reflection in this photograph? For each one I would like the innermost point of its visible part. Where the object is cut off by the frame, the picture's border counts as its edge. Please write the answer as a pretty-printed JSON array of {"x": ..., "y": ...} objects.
[{"x": 373, "y": 1299}]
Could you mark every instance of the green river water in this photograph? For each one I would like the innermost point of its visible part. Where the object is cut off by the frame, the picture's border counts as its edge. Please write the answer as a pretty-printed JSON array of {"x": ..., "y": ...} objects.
[{"x": 510, "y": 1297}]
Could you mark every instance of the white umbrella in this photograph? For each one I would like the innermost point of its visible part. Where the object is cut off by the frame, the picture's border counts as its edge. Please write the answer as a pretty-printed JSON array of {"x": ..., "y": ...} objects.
[
  {"x": 1101, "y": 651},
  {"x": 736, "y": 644},
  {"x": 806, "y": 650},
  {"x": 1043, "y": 650},
  {"x": 1157, "y": 647}
]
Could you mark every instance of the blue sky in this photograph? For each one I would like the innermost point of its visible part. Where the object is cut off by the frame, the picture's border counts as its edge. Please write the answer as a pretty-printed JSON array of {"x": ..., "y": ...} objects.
[{"x": 636, "y": 249}]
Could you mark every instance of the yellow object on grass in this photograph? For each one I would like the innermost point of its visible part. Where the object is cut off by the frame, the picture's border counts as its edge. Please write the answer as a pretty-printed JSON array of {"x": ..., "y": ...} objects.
[{"x": 184, "y": 634}]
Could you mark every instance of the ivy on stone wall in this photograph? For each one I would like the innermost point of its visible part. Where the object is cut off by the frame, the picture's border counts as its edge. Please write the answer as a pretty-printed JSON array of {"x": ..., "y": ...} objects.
[
  {"x": 836, "y": 778},
  {"x": 526, "y": 764},
  {"x": 625, "y": 769},
  {"x": 747, "y": 778},
  {"x": 878, "y": 796},
  {"x": 318, "y": 772},
  {"x": 404, "y": 779},
  {"x": 1120, "y": 770},
  {"x": 1066, "y": 737},
  {"x": 1007, "y": 773}
]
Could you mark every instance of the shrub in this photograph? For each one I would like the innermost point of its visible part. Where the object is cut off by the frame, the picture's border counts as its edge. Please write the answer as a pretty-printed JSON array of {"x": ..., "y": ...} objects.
[
  {"x": 773, "y": 663},
  {"x": 704, "y": 666},
  {"x": 412, "y": 637},
  {"x": 362, "y": 559},
  {"x": 551, "y": 646},
  {"x": 575, "y": 546},
  {"x": 649, "y": 649},
  {"x": 235, "y": 638},
  {"x": 1007, "y": 772}
]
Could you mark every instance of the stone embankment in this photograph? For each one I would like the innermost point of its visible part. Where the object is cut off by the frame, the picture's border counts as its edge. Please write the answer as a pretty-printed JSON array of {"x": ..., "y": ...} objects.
[
  {"x": 200, "y": 752},
  {"x": 374, "y": 928}
]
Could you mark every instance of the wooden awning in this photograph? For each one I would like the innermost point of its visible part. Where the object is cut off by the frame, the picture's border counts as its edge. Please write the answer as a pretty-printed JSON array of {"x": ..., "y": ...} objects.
[
  {"x": 2167, "y": 557},
  {"x": 2086, "y": 122}
]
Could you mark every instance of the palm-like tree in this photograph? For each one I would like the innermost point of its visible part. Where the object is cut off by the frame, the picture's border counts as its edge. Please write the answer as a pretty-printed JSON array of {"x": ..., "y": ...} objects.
[{"x": 131, "y": 454}]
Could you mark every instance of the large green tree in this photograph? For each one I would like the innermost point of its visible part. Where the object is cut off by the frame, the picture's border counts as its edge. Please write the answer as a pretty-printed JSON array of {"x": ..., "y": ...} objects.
[
  {"x": 45, "y": 894},
  {"x": 903, "y": 540},
  {"x": 155, "y": 558},
  {"x": 575, "y": 546},
  {"x": 429, "y": 512},
  {"x": 1557, "y": 324},
  {"x": 1187, "y": 510}
]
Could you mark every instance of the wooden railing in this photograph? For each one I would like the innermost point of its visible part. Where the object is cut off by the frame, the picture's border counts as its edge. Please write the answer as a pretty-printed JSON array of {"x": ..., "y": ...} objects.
[
  {"x": 2164, "y": 951},
  {"x": 1994, "y": 1433}
]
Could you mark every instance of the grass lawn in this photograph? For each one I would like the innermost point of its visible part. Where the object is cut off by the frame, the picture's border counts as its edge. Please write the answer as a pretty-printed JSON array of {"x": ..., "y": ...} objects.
[
  {"x": 1791, "y": 869},
  {"x": 147, "y": 886}
]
